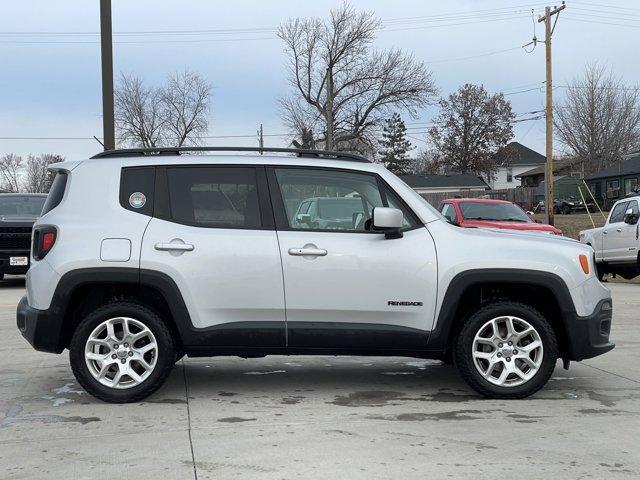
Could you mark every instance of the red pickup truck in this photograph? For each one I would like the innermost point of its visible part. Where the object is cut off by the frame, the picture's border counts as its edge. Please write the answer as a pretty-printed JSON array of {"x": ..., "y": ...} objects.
[{"x": 486, "y": 213}]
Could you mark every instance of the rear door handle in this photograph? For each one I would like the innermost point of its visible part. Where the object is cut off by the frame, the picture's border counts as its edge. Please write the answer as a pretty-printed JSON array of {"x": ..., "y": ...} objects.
[
  {"x": 174, "y": 247},
  {"x": 618, "y": 230},
  {"x": 314, "y": 252}
]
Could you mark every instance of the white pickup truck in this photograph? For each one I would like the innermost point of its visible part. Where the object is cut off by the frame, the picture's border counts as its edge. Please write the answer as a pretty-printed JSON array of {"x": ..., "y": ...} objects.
[{"x": 616, "y": 244}]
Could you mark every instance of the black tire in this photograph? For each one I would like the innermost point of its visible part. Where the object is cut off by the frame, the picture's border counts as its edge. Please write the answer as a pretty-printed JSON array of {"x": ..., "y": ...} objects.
[
  {"x": 1, "y": 276},
  {"x": 464, "y": 342},
  {"x": 164, "y": 362}
]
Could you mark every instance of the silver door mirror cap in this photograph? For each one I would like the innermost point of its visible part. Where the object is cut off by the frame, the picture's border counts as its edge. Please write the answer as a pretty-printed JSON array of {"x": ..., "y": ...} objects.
[{"x": 385, "y": 218}]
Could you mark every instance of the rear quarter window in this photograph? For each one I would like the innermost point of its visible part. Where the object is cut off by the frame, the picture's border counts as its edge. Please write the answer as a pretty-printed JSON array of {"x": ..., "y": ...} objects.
[
  {"x": 137, "y": 188},
  {"x": 56, "y": 192}
]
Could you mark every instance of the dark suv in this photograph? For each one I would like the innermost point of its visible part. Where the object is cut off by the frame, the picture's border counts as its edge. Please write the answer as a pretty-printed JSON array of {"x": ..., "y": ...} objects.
[{"x": 18, "y": 212}]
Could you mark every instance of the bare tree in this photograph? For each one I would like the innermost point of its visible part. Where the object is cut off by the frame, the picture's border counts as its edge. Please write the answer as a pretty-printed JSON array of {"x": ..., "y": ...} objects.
[
  {"x": 471, "y": 126},
  {"x": 175, "y": 114},
  {"x": 426, "y": 162},
  {"x": 342, "y": 86},
  {"x": 599, "y": 119},
  {"x": 38, "y": 178},
  {"x": 185, "y": 104},
  {"x": 10, "y": 170},
  {"x": 138, "y": 110}
]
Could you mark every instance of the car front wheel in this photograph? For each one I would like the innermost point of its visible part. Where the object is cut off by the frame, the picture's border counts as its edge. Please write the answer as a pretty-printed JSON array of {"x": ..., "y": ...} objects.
[
  {"x": 506, "y": 350},
  {"x": 122, "y": 352}
]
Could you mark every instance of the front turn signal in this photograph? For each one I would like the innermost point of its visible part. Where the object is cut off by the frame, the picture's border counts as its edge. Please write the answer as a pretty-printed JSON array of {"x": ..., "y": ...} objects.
[{"x": 584, "y": 263}]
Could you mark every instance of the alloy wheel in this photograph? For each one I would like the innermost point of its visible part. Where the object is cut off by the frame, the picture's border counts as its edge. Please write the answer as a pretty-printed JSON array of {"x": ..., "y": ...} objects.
[
  {"x": 121, "y": 352},
  {"x": 507, "y": 351}
]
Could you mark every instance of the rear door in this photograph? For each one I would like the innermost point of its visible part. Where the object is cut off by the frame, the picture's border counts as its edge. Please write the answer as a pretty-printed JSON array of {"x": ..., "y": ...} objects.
[
  {"x": 347, "y": 286},
  {"x": 213, "y": 234}
]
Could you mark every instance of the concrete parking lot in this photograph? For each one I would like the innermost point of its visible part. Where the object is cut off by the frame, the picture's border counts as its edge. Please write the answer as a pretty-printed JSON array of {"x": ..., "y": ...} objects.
[{"x": 320, "y": 417}]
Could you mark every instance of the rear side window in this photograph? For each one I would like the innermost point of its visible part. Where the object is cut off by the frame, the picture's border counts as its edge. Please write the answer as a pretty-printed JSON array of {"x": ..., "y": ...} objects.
[
  {"x": 214, "y": 197},
  {"x": 137, "y": 185},
  {"x": 56, "y": 192}
]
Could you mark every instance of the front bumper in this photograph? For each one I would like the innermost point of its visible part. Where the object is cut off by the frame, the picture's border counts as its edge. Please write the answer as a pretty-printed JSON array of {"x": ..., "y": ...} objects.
[
  {"x": 41, "y": 328},
  {"x": 588, "y": 336}
]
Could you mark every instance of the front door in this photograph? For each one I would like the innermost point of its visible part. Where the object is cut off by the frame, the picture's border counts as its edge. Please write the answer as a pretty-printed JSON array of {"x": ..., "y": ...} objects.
[
  {"x": 345, "y": 285},
  {"x": 211, "y": 234},
  {"x": 614, "y": 234},
  {"x": 621, "y": 240}
]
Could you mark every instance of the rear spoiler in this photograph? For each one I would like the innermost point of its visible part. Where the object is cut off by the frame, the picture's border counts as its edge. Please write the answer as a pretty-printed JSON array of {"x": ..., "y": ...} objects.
[{"x": 64, "y": 166}]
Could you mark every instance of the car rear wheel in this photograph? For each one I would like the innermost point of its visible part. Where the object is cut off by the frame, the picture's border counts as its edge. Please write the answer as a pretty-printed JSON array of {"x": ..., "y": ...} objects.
[
  {"x": 506, "y": 350},
  {"x": 122, "y": 352}
]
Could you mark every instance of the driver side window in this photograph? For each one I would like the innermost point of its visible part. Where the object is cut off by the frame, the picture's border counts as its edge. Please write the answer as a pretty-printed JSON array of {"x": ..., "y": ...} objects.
[{"x": 617, "y": 215}]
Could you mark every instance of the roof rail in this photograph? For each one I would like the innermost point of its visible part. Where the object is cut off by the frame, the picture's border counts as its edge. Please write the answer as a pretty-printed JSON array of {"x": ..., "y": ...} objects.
[{"x": 128, "y": 152}]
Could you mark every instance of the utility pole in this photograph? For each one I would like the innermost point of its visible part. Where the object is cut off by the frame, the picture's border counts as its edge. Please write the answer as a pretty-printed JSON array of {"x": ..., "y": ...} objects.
[
  {"x": 330, "y": 140},
  {"x": 260, "y": 139},
  {"x": 548, "y": 31},
  {"x": 106, "y": 50}
]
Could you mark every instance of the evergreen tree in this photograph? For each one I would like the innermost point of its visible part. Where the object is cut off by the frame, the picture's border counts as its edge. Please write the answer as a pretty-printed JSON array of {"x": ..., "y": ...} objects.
[{"x": 395, "y": 146}]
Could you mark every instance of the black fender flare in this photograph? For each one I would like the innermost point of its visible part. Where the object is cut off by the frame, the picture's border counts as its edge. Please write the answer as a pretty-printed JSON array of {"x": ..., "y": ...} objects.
[{"x": 446, "y": 321}]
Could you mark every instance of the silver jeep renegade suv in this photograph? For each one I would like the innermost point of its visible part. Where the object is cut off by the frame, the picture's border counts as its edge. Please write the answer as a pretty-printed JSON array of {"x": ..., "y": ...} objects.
[{"x": 144, "y": 256}]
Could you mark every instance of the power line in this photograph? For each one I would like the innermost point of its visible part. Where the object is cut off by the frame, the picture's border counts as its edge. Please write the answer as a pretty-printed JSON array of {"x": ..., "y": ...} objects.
[
  {"x": 419, "y": 22},
  {"x": 196, "y": 138},
  {"x": 608, "y": 6},
  {"x": 626, "y": 14},
  {"x": 527, "y": 5},
  {"x": 594, "y": 22},
  {"x": 91, "y": 42},
  {"x": 598, "y": 88},
  {"x": 486, "y": 54}
]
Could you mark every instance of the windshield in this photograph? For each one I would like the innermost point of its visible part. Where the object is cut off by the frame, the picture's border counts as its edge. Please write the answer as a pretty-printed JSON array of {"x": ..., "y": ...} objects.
[
  {"x": 503, "y": 212},
  {"x": 21, "y": 206}
]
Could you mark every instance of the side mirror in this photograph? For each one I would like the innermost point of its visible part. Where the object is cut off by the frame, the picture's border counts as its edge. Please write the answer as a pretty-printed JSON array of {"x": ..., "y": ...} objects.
[
  {"x": 630, "y": 217},
  {"x": 387, "y": 220}
]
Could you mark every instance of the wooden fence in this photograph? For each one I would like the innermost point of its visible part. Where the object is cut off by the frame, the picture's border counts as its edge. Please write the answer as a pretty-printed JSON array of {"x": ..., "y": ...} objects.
[{"x": 523, "y": 196}]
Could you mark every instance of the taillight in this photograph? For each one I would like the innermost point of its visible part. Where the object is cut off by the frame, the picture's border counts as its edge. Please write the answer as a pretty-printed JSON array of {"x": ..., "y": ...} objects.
[{"x": 44, "y": 238}]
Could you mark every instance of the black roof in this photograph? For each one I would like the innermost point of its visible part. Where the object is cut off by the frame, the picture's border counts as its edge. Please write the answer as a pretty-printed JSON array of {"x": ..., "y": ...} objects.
[
  {"x": 515, "y": 153},
  {"x": 631, "y": 166},
  {"x": 434, "y": 181}
]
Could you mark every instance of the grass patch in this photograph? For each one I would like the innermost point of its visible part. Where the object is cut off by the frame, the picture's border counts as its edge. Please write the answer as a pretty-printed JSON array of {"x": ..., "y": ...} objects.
[{"x": 572, "y": 224}]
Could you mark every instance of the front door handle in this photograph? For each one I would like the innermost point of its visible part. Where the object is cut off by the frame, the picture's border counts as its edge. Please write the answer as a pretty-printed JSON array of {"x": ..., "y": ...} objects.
[
  {"x": 174, "y": 247},
  {"x": 618, "y": 230},
  {"x": 310, "y": 251}
]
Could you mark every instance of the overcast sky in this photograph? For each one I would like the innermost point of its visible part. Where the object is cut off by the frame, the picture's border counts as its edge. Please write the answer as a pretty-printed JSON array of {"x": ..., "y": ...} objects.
[{"x": 50, "y": 81}]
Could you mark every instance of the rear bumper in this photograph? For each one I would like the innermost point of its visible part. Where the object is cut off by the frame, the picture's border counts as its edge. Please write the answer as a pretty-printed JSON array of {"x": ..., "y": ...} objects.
[
  {"x": 588, "y": 336},
  {"x": 41, "y": 328}
]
